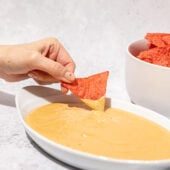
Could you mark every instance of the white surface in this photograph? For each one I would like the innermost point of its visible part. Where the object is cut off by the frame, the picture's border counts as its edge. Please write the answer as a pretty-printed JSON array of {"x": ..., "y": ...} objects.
[
  {"x": 37, "y": 96},
  {"x": 147, "y": 84},
  {"x": 95, "y": 32}
]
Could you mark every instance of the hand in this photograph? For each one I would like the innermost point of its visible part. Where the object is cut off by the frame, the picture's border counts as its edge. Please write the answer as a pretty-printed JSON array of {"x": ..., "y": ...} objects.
[{"x": 46, "y": 61}]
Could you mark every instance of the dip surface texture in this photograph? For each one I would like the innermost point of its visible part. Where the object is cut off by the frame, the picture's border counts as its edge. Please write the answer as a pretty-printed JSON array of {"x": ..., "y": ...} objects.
[{"x": 113, "y": 133}]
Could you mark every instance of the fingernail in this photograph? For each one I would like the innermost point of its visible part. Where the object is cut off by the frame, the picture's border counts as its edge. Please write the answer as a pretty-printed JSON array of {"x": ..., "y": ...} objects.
[{"x": 69, "y": 76}]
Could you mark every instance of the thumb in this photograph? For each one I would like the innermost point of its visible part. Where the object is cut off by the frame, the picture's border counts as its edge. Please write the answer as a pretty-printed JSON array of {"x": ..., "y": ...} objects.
[{"x": 55, "y": 69}]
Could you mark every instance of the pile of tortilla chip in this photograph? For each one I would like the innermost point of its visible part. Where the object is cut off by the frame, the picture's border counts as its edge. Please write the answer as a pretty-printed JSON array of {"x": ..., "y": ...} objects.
[
  {"x": 159, "y": 49},
  {"x": 91, "y": 90}
]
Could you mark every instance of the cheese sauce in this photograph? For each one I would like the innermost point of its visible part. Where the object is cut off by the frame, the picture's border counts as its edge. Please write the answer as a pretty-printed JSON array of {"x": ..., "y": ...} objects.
[{"x": 113, "y": 133}]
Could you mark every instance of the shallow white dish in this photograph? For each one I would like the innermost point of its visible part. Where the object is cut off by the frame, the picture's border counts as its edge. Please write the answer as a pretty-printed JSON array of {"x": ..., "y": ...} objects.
[{"x": 32, "y": 97}]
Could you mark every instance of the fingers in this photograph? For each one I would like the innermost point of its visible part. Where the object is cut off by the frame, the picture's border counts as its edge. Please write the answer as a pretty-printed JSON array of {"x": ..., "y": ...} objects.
[
  {"x": 65, "y": 59},
  {"x": 51, "y": 48},
  {"x": 52, "y": 59},
  {"x": 55, "y": 69},
  {"x": 42, "y": 77}
]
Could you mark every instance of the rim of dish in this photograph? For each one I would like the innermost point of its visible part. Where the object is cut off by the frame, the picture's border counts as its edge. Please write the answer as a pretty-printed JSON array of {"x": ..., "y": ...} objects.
[
  {"x": 81, "y": 153},
  {"x": 142, "y": 61}
]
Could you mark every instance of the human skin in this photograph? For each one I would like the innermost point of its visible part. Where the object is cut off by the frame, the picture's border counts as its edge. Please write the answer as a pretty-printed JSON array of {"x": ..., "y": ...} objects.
[{"x": 46, "y": 61}]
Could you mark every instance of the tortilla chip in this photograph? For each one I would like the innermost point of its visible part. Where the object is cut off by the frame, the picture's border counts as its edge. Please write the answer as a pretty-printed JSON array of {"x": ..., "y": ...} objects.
[
  {"x": 90, "y": 89},
  {"x": 158, "y": 39},
  {"x": 158, "y": 55},
  {"x": 98, "y": 104}
]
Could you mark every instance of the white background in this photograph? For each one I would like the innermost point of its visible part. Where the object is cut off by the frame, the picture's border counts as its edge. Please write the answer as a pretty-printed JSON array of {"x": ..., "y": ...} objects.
[{"x": 96, "y": 34}]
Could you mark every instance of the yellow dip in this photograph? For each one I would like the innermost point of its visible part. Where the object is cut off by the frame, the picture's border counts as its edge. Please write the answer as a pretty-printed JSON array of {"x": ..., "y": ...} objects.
[{"x": 113, "y": 133}]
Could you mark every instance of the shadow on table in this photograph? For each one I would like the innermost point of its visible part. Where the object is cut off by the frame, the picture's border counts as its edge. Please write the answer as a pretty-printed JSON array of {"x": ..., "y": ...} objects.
[
  {"x": 47, "y": 93},
  {"x": 7, "y": 99},
  {"x": 69, "y": 167}
]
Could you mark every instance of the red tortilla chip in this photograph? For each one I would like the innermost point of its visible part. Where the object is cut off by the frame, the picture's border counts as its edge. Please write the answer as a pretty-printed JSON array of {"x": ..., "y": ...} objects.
[
  {"x": 158, "y": 55},
  {"x": 92, "y": 87},
  {"x": 158, "y": 39}
]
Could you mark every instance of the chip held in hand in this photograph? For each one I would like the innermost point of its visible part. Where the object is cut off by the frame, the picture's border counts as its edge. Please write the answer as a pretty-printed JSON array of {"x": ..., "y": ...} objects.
[{"x": 91, "y": 90}]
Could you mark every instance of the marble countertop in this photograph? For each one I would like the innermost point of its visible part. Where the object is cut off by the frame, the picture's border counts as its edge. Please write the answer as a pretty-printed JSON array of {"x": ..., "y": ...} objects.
[{"x": 96, "y": 34}]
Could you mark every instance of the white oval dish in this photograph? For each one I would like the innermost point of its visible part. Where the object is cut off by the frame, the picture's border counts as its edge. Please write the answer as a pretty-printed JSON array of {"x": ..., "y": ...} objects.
[
  {"x": 147, "y": 84},
  {"x": 32, "y": 97}
]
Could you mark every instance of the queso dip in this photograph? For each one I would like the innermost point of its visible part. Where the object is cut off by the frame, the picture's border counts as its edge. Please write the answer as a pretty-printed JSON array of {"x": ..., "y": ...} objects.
[{"x": 114, "y": 133}]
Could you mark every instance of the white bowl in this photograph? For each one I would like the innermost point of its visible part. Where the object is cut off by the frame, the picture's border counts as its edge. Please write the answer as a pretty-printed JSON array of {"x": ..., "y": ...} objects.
[
  {"x": 32, "y": 97},
  {"x": 147, "y": 84}
]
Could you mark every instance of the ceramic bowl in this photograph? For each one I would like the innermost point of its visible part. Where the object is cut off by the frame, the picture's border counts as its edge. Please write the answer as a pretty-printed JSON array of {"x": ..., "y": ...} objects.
[
  {"x": 147, "y": 84},
  {"x": 32, "y": 97}
]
